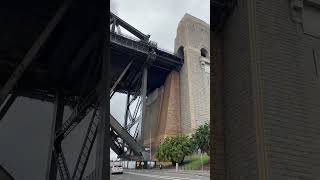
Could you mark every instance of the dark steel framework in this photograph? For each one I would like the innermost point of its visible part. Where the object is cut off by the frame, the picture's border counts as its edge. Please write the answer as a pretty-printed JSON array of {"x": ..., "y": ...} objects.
[
  {"x": 145, "y": 68},
  {"x": 78, "y": 78}
]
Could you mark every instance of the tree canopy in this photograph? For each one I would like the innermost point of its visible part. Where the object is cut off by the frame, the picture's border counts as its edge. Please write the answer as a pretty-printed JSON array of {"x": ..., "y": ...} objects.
[
  {"x": 175, "y": 149},
  {"x": 201, "y": 138}
]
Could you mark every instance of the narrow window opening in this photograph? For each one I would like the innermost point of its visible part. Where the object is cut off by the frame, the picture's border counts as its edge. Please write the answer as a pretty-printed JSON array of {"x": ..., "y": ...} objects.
[
  {"x": 180, "y": 52},
  {"x": 204, "y": 52}
]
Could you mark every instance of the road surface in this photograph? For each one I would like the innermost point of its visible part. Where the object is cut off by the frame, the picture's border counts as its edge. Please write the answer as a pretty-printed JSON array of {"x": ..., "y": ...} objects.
[{"x": 157, "y": 175}]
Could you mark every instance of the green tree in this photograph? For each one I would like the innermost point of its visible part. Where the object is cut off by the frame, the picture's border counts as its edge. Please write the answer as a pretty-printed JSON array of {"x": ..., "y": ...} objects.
[
  {"x": 175, "y": 149},
  {"x": 201, "y": 138}
]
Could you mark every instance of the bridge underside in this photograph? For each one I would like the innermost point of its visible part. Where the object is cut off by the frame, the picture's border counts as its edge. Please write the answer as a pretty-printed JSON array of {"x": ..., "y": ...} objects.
[
  {"x": 65, "y": 54},
  {"x": 120, "y": 58}
]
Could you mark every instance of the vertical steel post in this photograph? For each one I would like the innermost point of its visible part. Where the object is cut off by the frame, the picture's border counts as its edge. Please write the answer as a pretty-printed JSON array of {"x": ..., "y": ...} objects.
[
  {"x": 126, "y": 113},
  {"x": 113, "y": 25},
  {"x": 143, "y": 101},
  {"x": 126, "y": 117},
  {"x": 57, "y": 121},
  {"x": 103, "y": 133}
]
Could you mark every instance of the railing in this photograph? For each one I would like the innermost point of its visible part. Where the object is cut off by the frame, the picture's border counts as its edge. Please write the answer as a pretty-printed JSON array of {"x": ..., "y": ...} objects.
[
  {"x": 149, "y": 43},
  {"x": 167, "y": 51},
  {"x": 130, "y": 42},
  {"x": 126, "y": 36}
]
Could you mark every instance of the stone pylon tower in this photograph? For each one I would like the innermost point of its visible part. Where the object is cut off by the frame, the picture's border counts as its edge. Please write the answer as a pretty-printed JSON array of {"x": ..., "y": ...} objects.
[
  {"x": 193, "y": 42},
  {"x": 182, "y": 103}
]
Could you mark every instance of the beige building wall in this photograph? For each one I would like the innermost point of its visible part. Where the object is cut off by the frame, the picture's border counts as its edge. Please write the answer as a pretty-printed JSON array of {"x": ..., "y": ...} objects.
[{"x": 193, "y": 35}]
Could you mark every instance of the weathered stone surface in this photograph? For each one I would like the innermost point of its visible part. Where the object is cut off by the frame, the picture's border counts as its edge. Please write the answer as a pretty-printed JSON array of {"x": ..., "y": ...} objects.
[
  {"x": 271, "y": 91},
  {"x": 163, "y": 112},
  {"x": 194, "y": 34}
]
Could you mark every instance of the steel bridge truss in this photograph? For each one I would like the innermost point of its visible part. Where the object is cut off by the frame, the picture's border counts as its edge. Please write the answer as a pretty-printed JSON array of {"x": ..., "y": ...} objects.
[{"x": 121, "y": 141}]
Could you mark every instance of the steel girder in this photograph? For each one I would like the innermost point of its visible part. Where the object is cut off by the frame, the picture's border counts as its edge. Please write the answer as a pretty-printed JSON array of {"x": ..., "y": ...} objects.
[
  {"x": 7, "y": 105},
  {"x": 86, "y": 148},
  {"x": 123, "y": 134},
  {"x": 117, "y": 21},
  {"x": 120, "y": 78},
  {"x": 133, "y": 118},
  {"x": 79, "y": 112},
  {"x": 55, "y": 147},
  {"x": 61, "y": 163},
  {"x": 130, "y": 43}
]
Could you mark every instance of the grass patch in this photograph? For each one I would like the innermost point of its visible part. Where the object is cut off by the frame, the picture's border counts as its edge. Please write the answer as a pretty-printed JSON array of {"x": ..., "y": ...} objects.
[{"x": 194, "y": 162}]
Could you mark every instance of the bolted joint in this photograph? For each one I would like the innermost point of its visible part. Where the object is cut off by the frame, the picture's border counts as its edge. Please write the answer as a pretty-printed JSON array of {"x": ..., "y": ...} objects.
[{"x": 146, "y": 38}]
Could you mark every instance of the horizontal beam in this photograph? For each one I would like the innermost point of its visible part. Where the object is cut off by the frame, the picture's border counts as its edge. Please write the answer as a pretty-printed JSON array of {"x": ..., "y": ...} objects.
[{"x": 120, "y": 77}]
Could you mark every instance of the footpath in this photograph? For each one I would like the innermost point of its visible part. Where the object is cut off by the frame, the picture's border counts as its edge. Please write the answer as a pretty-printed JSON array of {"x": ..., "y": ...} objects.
[{"x": 205, "y": 173}]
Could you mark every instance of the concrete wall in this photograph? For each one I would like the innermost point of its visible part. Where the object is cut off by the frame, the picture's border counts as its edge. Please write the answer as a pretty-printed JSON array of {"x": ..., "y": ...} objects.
[{"x": 271, "y": 91}]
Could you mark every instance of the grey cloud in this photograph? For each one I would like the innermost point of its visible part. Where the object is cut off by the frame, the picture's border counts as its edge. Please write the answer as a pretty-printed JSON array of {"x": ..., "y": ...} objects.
[
  {"x": 160, "y": 18},
  {"x": 114, "y": 6}
]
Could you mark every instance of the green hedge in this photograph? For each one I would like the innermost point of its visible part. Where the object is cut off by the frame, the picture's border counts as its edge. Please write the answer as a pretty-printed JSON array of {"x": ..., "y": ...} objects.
[{"x": 194, "y": 162}]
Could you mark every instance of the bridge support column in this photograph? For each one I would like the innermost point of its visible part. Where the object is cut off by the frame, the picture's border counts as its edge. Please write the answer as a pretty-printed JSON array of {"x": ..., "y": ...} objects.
[
  {"x": 103, "y": 132},
  {"x": 56, "y": 124},
  {"x": 127, "y": 109},
  {"x": 126, "y": 116},
  {"x": 143, "y": 101}
]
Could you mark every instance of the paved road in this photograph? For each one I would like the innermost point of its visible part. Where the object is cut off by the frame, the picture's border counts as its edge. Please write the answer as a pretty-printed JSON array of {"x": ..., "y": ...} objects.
[{"x": 157, "y": 175}]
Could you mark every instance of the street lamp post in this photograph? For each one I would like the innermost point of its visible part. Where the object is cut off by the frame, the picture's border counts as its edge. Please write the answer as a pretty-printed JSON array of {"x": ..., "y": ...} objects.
[
  {"x": 150, "y": 144},
  {"x": 199, "y": 150}
]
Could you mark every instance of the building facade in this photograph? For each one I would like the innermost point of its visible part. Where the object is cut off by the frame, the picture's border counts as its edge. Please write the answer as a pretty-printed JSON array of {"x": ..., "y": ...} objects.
[{"x": 271, "y": 57}]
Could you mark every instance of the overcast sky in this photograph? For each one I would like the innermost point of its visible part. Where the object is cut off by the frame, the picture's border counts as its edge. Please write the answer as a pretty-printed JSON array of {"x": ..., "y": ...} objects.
[{"x": 159, "y": 19}]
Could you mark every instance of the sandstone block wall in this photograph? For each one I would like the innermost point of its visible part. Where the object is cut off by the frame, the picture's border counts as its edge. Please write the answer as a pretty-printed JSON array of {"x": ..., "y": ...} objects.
[
  {"x": 271, "y": 91},
  {"x": 163, "y": 112}
]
